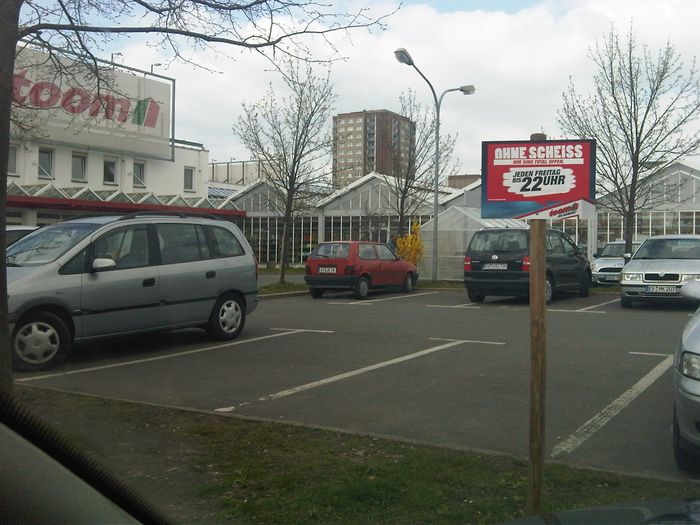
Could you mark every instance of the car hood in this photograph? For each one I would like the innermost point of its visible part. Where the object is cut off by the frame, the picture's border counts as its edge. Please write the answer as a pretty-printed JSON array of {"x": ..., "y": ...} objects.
[
  {"x": 15, "y": 273},
  {"x": 663, "y": 266},
  {"x": 609, "y": 262},
  {"x": 678, "y": 512}
]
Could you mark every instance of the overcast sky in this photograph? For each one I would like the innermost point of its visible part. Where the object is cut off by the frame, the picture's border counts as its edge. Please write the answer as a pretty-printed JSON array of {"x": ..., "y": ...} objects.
[{"x": 518, "y": 54}]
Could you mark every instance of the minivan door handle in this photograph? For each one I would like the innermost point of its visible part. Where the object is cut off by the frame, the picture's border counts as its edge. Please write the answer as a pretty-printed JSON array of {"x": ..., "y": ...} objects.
[
  {"x": 210, "y": 275},
  {"x": 151, "y": 281}
]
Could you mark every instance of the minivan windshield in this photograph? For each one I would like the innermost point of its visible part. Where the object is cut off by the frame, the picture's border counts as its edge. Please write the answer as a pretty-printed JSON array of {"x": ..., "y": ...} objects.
[
  {"x": 669, "y": 249},
  {"x": 47, "y": 244}
]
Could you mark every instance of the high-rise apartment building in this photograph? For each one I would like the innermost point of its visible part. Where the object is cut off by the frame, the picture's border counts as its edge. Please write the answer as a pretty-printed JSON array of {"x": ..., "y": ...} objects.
[{"x": 367, "y": 141}]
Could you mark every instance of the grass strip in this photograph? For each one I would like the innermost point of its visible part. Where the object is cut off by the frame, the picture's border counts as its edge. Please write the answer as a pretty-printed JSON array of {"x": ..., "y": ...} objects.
[{"x": 224, "y": 469}]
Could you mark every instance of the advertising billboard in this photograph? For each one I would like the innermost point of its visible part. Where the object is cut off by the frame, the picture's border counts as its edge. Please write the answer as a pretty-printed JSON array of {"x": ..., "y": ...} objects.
[
  {"x": 552, "y": 179},
  {"x": 64, "y": 101}
]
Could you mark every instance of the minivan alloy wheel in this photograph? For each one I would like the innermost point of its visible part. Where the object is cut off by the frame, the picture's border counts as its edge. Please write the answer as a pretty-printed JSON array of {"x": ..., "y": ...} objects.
[
  {"x": 230, "y": 316},
  {"x": 39, "y": 341},
  {"x": 227, "y": 317}
]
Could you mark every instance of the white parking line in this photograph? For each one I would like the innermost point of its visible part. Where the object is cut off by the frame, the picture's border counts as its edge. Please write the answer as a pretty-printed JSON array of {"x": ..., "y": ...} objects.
[
  {"x": 303, "y": 330},
  {"x": 577, "y": 311},
  {"x": 370, "y": 301},
  {"x": 617, "y": 300},
  {"x": 162, "y": 357},
  {"x": 594, "y": 424},
  {"x": 340, "y": 377},
  {"x": 468, "y": 306}
]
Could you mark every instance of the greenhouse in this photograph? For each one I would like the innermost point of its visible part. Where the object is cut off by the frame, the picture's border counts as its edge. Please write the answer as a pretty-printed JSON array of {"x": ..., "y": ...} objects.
[{"x": 456, "y": 226}]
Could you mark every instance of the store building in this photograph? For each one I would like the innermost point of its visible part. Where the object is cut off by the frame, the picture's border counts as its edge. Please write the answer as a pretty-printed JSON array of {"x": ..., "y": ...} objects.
[{"x": 76, "y": 149}]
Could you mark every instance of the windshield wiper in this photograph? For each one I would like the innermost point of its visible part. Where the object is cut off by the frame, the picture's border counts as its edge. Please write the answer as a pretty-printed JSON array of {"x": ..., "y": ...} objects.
[{"x": 12, "y": 265}]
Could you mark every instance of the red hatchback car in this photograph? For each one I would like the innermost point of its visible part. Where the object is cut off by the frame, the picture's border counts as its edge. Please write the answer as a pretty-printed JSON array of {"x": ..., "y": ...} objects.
[{"x": 358, "y": 266}]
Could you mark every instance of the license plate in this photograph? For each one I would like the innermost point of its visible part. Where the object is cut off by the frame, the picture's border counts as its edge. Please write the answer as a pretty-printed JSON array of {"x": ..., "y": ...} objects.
[
  {"x": 326, "y": 269},
  {"x": 613, "y": 278},
  {"x": 494, "y": 266},
  {"x": 661, "y": 289}
]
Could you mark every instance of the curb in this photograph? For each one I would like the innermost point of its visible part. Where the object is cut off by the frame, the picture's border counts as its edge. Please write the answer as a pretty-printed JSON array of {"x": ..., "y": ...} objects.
[{"x": 281, "y": 294}]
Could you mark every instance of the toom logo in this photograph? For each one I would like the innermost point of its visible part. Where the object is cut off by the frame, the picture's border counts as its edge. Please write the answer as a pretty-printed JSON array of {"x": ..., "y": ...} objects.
[
  {"x": 76, "y": 100},
  {"x": 565, "y": 211}
]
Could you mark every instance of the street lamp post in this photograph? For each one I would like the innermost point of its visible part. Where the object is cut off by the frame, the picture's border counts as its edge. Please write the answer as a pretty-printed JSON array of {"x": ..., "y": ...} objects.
[{"x": 405, "y": 58}]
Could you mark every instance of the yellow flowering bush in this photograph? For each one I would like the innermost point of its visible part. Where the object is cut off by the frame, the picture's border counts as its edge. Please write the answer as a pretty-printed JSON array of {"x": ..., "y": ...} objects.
[{"x": 409, "y": 247}]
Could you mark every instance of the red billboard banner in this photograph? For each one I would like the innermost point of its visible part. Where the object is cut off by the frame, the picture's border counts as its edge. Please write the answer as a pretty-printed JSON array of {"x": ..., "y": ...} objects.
[{"x": 526, "y": 179}]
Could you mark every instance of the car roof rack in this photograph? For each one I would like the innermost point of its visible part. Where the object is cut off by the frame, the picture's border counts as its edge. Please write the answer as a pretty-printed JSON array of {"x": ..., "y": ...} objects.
[{"x": 180, "y": 214}]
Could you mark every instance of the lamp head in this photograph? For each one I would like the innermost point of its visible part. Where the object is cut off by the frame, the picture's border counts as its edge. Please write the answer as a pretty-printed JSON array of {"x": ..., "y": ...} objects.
[
  {"x": 467, "y": 90},
  {"x": 403, "y": 56}
]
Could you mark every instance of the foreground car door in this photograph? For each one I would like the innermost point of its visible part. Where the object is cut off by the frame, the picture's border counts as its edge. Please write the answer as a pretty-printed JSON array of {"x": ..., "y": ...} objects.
[{"x": 125, "y": 298}]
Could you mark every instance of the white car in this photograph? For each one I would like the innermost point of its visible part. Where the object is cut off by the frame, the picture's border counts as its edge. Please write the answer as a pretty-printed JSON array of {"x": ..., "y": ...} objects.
[
  {"x": 686, "y": 392},
  {"x": 659, "y": 269},
  {"x": 607, "y": 264}
]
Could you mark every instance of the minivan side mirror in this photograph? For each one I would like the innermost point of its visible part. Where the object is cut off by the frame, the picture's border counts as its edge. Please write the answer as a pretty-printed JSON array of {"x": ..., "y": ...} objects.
[
  {"x": 100, "y": 265},
  {"x": 627, "y": 257},
  {"x": 596, "y": 255}
]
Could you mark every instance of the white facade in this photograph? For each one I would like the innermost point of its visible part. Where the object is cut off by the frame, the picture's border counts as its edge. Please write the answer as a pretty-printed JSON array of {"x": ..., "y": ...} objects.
[{"x": 76, "y": 166}]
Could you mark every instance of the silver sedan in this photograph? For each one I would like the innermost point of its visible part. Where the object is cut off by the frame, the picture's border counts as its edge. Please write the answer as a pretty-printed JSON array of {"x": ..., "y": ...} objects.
[
  {"x": 608, "y": 263},
  {"x": 659, "y": 269},
  {"x": 686, "y": 391}
]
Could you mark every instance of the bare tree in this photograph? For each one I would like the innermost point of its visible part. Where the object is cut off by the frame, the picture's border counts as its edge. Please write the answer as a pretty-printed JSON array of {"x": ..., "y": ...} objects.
[
  {"x": 85, "y": 28},
  {"x": 414, "y": 167},
  {"x": 642, "y": 115},
  {"x": 290, "y": 136}
]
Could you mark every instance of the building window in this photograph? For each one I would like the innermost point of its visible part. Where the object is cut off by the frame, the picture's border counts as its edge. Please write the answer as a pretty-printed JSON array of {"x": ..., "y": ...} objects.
[
  {"x": 109, "y": 172},
  {"x": 140, "y": 174},
  {"x": 189, "y": 179},
  {"x": 78, "y": 163},
  {"x": 12, "y": 161},
  {"x": 45, "y": 164}
]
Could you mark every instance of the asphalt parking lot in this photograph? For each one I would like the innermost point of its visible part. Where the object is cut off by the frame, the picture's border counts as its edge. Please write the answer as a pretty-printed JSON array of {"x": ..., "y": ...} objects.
[{"x": 427, "y": 366}]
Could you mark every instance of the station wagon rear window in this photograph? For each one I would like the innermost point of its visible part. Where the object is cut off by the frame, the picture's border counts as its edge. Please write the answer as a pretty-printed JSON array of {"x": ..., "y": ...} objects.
[{"x": 499, "y": 241}]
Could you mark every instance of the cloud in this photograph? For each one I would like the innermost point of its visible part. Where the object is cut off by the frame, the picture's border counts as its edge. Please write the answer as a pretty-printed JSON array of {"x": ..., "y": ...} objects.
[{"x": 520, "y": 63}]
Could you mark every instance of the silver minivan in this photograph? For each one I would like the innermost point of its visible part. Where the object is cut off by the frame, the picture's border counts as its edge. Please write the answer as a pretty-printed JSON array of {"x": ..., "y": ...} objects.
[{"x": 98, "y": 277}]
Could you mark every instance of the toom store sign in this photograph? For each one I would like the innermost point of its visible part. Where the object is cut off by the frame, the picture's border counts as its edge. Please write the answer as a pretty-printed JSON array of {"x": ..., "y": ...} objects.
[
  {"x": 551, "y": 179},
  {"x": 114, "y": 110}
]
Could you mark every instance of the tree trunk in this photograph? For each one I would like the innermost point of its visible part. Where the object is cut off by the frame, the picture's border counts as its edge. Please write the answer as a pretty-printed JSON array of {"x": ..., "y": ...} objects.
[{"x": 9, "y": 19}]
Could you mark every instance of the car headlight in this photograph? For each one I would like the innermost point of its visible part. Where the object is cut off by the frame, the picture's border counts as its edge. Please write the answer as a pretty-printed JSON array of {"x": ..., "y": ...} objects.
[
  {"x": 686, "y": 277},
  {"x": 690, "y": 365},
  {"x": 631, "y": 276}
]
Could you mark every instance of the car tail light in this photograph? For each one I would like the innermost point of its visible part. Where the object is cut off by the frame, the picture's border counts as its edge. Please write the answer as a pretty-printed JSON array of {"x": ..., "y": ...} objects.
[
  {"x": 349, "y": 270},
  {"x": 467, "y": 264},
  {"x": 307, "y": 269},
  {"x": 526, "y": 263}
]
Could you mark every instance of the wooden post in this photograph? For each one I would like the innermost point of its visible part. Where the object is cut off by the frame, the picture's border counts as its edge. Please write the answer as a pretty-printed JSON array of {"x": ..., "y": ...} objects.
[{"x": 538, "y": 362}]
